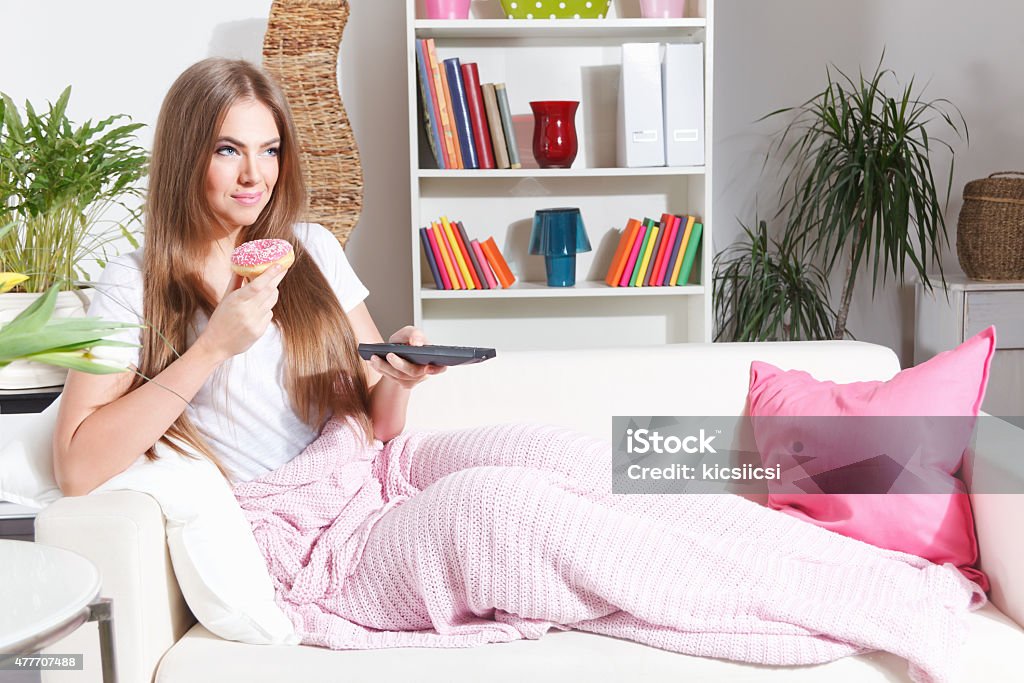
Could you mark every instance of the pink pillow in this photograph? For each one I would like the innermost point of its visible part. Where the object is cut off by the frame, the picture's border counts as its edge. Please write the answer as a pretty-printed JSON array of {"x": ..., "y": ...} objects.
[{"x": 936, "y": 526}]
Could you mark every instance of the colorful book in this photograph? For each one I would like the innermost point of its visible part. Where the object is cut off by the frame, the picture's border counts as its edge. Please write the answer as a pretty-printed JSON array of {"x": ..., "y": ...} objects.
[
  {"x": 429, "y": 105},
  {"x": 667, "y": 222},
  {"x": 630, "y": 270},
  {"x": 622, "y": 252},
  {"x": 460, "y": 264},
  {"x": 497, "y": 261},
  {"x": 494, "y": 122},
  {"x": 506, "y": 125},
  {"x": 646, "y": 259},
  {"x": 682, "y": 249},
  {"x": 678, "y": 227},
  {"x": 443, "y": 106},
  {"x": 467, "y": 254},
  {"x": 655, "y": 249},
  {"x": 477, "y": 116},
  {"x": 446, "y": 256},
  {"x": 428, "y": 252},
  {"x": 492, "y": 281},
  {"x": 436, "y": 248},
  {"x": 691, "y": 253},
  {"x": 463, "y": 125}
]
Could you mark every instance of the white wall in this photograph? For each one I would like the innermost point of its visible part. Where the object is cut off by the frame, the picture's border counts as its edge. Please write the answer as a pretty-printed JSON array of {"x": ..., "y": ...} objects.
[{"x": 122, "y": 55}]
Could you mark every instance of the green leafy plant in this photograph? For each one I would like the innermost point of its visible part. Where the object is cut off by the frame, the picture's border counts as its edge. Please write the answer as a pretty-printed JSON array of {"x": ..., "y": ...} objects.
[
  {"x": 65, "y": 342},
  {"x": 861, "y": 184},
  {"x": 770, "y": 290},
  {"x": 57, "y": 181}
]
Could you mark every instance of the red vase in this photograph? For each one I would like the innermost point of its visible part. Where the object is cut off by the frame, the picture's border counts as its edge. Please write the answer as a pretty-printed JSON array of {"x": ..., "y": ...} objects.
[{"x": 554, "y": 133}]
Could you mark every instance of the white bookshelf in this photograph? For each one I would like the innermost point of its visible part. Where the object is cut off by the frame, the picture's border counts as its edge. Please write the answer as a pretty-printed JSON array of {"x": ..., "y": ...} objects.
[{"x": 576, "y": 60}]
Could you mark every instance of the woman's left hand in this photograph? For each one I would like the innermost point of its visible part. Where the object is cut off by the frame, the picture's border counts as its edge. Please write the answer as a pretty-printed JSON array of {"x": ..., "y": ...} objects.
[{"x": 400, "y": 370}]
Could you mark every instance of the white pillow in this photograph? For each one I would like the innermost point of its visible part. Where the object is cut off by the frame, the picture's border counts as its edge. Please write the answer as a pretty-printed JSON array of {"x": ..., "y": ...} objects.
[
  {"x": 26, "y": 462},
  {"x": 216, "y": 560}
]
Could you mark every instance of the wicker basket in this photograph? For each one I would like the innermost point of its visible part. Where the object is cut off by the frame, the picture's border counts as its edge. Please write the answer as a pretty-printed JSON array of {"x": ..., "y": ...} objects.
[
  {"x": 990, "y": 232},
  {"x": 300, "y": 48}
]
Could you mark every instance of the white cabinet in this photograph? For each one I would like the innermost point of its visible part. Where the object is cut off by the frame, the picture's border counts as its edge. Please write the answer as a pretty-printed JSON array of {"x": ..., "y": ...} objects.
[
  {"x": 565, "y": 60},
  {"x": 946, "y": 317}
]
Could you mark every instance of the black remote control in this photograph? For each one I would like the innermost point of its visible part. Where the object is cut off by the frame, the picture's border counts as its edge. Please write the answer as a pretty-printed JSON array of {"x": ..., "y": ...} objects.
[{"x": 430, "y": 354}]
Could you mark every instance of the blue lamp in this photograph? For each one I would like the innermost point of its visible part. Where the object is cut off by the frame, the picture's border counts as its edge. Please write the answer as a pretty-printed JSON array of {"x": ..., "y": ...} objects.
[{"x": 559, "y": 234}]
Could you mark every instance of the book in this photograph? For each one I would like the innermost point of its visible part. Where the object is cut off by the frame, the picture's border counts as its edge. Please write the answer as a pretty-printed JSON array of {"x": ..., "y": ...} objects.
[
  {"x": 655, "y": 250},
  {"x": 460, "y": 108},
  {"x": 641, "y": 125},
  {"x": 622, "y": 252},
  {"x": 648, "y": 224},
  {"x": 446, "y": 256},
  {"x": 477, "y": 116},
  {"x": 429, "y": 253},
  {"x": 678, "y": 227},
  {"x": 691, "y": 253},
  {"x": 683, "y": 95},
  {"x": 663, "y": 249},
  {"x": 630, "y": 269},
  {"x": 460, "y": 264},
  {"x": 648, "y": 248},
  {"x": 506, "y": 126},
  {"x": 436, "y": 248},
  {"x": 494, "y": 122},
  {"x": 497, "y": 261},
  {"x": 492, "y": 282},
  {"x": 682, "y": 249},
  {"x": 443, "y": 106},
  {"x": 467, "y": 253},
  {"x": 429, "y": 100}
]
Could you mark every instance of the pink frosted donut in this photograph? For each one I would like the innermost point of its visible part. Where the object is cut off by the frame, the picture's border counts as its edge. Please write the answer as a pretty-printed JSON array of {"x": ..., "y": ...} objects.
[{"x": 251, "y": 259}]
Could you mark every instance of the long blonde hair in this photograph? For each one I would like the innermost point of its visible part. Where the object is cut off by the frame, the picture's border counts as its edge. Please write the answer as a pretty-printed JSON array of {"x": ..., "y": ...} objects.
[{"x": 323, "y": 371}]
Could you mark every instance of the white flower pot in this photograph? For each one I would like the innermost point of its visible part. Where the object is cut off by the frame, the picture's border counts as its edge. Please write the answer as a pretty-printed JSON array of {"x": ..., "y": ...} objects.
[{"x": 27, "y": 375}]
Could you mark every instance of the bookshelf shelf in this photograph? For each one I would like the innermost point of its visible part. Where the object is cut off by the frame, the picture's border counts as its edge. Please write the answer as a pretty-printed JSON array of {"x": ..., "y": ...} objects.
[
  {"x": 561, "y": 172},
  {"x": 626, "y": 29},
  {"x": 586, "y": 288},
  {"x": 557, "y": 59}
]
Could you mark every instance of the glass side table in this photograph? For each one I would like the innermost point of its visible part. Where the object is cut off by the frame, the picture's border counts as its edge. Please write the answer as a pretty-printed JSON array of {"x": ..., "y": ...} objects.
[{"x": 47, "y": 593}]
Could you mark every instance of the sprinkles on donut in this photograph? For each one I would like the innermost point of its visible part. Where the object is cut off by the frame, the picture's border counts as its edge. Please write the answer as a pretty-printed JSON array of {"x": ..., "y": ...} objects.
[{"x": 251, "y": 259}]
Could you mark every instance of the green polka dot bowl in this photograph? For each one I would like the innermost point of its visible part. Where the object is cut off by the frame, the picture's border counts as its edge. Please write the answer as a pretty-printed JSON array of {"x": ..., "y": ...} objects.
[{"x": 556, "y": 9}]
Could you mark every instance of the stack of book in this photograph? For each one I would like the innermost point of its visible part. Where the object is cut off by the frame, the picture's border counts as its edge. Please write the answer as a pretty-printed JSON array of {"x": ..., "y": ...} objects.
[
  {"x": 468, "y": 124},
  {"x": 457, "y": 262},
  {"x": 655, "y": 253}
]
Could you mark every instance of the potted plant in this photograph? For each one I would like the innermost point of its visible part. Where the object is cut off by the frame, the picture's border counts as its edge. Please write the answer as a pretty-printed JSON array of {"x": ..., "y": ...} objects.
[
  {"x": 35, "y": 336},
  {"x": 770, "y": 290},
  {"x": 59, "y": 185},
  {"x": 861, "y": 187}
]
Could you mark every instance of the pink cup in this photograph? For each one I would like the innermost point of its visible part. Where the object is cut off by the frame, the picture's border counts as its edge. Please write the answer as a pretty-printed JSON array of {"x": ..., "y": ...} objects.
[
  {"x": 662, "y": 9},
  {"x": 447, "y": 9}
]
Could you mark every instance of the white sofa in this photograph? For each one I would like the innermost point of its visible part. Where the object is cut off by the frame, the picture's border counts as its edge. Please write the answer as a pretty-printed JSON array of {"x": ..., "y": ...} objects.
[{"x": 158, "y": 639}]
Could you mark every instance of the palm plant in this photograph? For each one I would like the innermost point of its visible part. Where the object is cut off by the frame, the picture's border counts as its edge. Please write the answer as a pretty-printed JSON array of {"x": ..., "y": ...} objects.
[
  {"x": 56, "y": 182},
  {"x": 770, "y": 290},
  {"x": 861, "y": 184}
]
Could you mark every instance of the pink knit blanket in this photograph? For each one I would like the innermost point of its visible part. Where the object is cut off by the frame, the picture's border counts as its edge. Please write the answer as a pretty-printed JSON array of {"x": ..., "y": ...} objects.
[{"x": 493, "y": 534}]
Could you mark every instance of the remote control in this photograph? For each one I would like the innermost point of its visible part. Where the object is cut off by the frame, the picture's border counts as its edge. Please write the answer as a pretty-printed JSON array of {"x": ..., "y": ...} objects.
[{"x": 430, "y": 354}]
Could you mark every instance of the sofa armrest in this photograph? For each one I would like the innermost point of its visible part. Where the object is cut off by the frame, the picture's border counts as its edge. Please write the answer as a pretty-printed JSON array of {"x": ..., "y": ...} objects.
[
  {"x": 122, "y": 532},
  {"x": 994, "y": 476}
]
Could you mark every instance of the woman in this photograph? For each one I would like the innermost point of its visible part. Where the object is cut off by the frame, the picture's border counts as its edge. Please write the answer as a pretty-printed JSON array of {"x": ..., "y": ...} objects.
[{"x": 448, "y": 538}]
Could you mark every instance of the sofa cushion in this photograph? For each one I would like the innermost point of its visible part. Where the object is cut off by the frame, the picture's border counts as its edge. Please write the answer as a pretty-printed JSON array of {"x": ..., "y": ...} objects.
[
  {"x": 929, "y": 517},
  {"x": 994, "y": 651}
]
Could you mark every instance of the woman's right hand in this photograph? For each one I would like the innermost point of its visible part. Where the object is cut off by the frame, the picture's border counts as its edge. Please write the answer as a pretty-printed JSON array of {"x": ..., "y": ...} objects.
[{"x": 243, "y": 314}]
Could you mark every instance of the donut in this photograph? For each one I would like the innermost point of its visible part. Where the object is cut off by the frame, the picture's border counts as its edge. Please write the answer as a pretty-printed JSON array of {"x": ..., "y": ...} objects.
[{"x": 251, "y": 259}]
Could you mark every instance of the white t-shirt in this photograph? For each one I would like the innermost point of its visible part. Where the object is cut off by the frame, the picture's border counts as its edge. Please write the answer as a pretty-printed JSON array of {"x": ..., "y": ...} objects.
[{"x": 243, "y": 409}]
